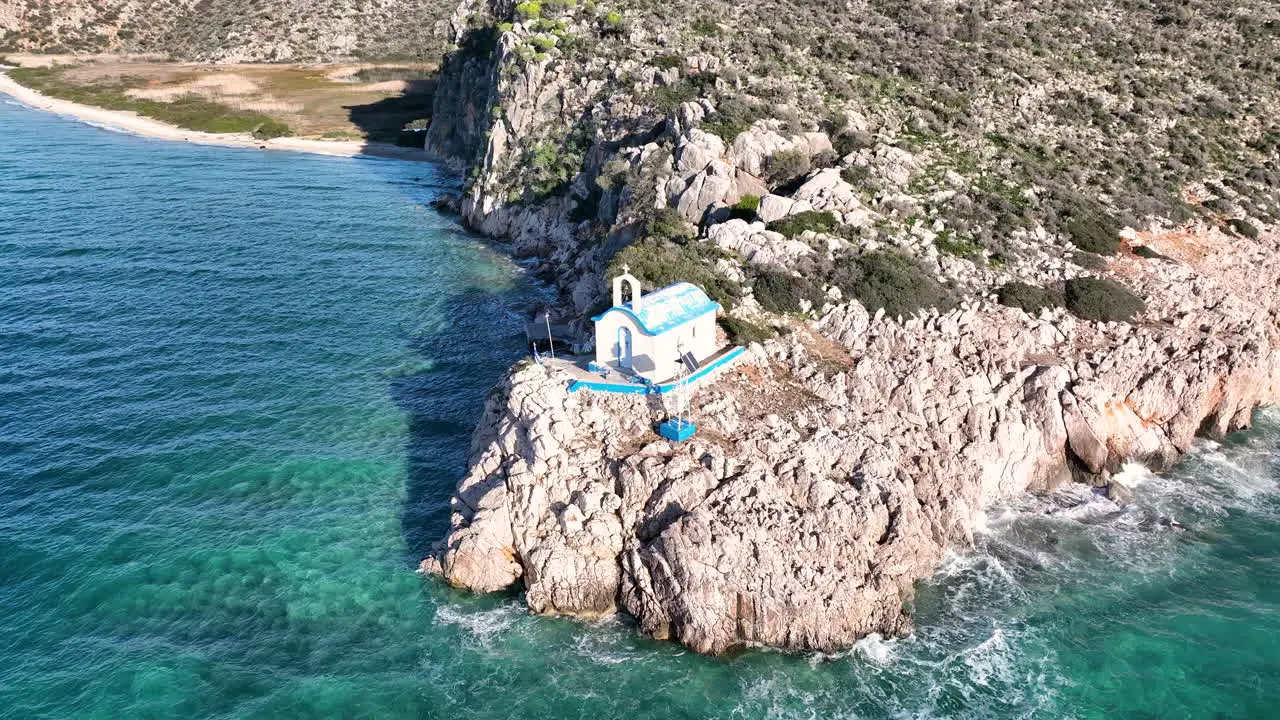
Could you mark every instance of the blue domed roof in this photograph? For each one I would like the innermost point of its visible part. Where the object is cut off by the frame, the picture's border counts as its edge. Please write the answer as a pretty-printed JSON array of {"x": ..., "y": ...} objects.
[{"x": 664, "y": 309}]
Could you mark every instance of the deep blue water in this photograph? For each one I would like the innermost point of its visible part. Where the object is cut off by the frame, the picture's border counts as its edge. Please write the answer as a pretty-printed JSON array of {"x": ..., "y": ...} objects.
[{"x": 237, "y": 387}]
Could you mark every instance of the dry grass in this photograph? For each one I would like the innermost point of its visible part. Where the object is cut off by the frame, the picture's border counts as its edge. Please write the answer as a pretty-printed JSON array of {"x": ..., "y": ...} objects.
[{"x": 314, "y": 100}]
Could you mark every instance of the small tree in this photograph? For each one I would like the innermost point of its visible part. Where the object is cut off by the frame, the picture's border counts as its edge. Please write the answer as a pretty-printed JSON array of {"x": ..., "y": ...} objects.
[{"x": 786, "y": 166}]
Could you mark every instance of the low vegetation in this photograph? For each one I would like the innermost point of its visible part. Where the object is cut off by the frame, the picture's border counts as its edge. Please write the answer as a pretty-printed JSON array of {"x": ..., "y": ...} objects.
[
  {"x": 743, "y": 332},
  {"x": 811, "y": 220},
  {"x": 780, "y": 291},
  {"x": 746, "y": 208},
  {"x": 190, "y": 112},
  {"x": 1101, "y": 299},
  {"x": 786, "y": 167},
  {"x": 668, "y": 253},
  {"x": 1243, "y": 227},
  {"x": 389, "y": 103},
  {"x": 1096, "y": 234},
  {"x": 892, "y": 280},
  {"x": 1029, "y": 298},
  {"x": 251, "y": 30},
  {"x": 1147, "y": 253}
]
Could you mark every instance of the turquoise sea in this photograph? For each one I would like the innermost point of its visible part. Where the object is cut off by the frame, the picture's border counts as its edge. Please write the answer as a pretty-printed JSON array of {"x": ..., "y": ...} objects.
[{"x": 237, "y": 387}]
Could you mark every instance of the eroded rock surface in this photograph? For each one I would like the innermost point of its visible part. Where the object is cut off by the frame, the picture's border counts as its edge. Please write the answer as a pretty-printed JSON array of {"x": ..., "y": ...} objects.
[{"x": 833, "y": 468}]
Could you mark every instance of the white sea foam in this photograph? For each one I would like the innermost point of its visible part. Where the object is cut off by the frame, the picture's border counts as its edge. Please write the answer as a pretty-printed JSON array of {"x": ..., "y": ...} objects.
[
  {"x": 875, "y": 648},
  {"x": 482, "y": 624},
  {"x": 1133, "y": 475},
  {"x": 609, "y": 642}
]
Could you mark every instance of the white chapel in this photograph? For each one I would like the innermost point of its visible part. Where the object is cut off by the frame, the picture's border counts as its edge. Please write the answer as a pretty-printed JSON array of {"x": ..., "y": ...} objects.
[{"x": 647, "y": 334}]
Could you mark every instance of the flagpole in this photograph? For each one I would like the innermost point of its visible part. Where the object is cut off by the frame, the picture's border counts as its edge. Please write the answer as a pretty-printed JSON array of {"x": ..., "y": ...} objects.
[{"x": 551, "y": 344}]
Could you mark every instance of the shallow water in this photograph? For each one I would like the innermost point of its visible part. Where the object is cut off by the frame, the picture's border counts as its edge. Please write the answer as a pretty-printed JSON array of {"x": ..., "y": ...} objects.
[{"x": 237, "y": 387}]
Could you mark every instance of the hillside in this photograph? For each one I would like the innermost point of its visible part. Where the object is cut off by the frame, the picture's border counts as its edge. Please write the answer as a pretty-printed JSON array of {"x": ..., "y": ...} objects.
[
  {"x": 1057, "y": 220},
  {"x": 229, "y": 30},
  {"x": 996, "y": 143}
]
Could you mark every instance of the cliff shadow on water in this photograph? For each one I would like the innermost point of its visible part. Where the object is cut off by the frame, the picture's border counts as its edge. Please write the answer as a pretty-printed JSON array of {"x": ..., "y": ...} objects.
[{"x": 464, "y": 357}]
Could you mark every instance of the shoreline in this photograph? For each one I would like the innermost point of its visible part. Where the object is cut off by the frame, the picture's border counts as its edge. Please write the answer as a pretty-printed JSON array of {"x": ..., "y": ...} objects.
[{"x": 135, "y": 124}]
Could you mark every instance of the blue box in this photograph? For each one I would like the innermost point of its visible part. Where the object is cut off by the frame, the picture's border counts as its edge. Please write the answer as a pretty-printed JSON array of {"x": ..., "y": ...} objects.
[{"x": 677, "y": 430}]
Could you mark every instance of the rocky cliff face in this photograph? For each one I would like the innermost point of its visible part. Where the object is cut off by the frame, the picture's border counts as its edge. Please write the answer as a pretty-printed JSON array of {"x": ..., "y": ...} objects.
[
  {"x": 577, "y": 122},
  {"x": 833, "y": 469}
]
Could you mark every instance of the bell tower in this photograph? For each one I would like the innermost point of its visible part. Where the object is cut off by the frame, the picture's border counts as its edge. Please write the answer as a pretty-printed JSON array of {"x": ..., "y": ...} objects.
[{"x": 626, "y": 278}]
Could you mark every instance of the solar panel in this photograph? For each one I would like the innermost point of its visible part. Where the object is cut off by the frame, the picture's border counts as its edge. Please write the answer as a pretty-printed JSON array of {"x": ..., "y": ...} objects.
[{"x": 690, "y": 362}]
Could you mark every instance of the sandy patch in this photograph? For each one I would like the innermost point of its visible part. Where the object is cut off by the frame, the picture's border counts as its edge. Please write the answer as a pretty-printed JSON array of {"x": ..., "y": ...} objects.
[
  {"x": 389, "y": 86},
  {"x": 135, "y": 124},
  {"x": 343, "y": 74},
  {"x": 227, "y": 88}
]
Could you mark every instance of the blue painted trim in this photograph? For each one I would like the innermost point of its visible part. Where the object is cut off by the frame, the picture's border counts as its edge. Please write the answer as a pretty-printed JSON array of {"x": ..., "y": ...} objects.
[
  {"x": 675, "y": 293},
  {"x": 634, "y": 389}
]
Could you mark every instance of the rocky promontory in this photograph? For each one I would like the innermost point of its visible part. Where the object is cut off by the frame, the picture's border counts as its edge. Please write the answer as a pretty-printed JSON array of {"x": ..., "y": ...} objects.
[
  {"x": 963, "y": 269},
  {"x": 836, "y": 465}
]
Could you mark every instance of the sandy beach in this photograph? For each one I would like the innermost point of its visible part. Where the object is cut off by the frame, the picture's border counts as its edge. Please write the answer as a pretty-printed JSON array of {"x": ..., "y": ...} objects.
[{"x": 138, "y": 125}]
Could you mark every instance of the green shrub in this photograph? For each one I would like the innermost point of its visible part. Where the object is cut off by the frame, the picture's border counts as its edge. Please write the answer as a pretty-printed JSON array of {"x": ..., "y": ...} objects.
[
  {"x": 1147, "y": 253},
  {"x": 1089, "y": 261},
  {"x": 851, "y": 141},
  {"x": 786, "y": 166},
  {"x": 746, "y": 208},
  {"x": 1097, "y": 234},
  {"x": 549, "y": 168},
  {"x": 667, "y": 62},
  {"x": 779, "y": 291},
  {"x": 817, "y": 221},
  {"x": 529, "y": 10},
  {"x": 1243, "y": 227},
  {"x": 670, "y": 97},
  {"x": 1100, "y": 299},
  {"x": 957, "y": 247},
  {"x": 744, "y": 332},
  {"x": 733, "y": 117},
  {"x": 825, "y": 159},
  {"x": 1028, "y": 298},
  {"x": 658, "y": 262},
  {"x": 706, "y": 27},
  {"x": 690, "y": 87},
  {"x": 669, "y": 225},
  {"x": 855, "y": 174},
  {"x": 892, "y": 280},
  {"x": 271, "y": 129}
]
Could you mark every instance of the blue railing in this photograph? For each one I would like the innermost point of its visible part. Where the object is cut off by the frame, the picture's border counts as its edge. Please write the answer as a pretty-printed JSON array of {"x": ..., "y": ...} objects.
[{"x": 631, "y": 388}]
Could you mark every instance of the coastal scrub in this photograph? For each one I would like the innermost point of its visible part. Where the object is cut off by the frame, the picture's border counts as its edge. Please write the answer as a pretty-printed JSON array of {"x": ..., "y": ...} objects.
[{"x": 188, "y": 111}]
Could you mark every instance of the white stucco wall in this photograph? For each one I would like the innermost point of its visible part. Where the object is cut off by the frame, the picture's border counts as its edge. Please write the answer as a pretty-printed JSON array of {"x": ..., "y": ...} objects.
[{"x": 656, "y": 357}]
